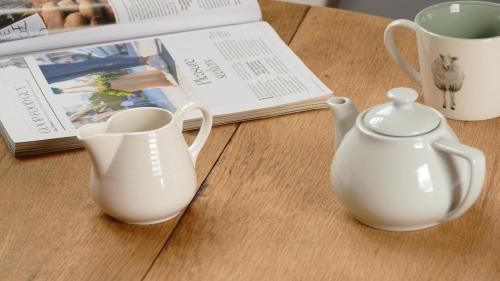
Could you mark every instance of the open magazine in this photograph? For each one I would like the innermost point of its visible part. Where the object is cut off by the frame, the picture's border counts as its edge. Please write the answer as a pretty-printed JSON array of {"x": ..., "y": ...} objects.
[{"x": 67, "y": 63}]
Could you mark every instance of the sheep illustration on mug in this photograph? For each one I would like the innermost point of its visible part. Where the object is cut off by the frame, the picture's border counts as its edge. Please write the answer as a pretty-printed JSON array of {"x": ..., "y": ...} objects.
[{"x": 448, "y": 77}]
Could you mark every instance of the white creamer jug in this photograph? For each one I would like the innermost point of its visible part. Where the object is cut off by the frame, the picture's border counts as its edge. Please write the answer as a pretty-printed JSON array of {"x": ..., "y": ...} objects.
[{"x": 143, "y": 172}]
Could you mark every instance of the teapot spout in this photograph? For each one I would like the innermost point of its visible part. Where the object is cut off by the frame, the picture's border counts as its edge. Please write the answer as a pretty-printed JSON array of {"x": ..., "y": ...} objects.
[
  {"x": 102, "y": 147},
  {"x": 344, "y": 115}
]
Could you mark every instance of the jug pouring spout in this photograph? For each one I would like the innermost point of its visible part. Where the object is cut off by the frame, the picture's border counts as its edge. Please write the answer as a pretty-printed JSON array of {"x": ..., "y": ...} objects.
[
  {"x": 344, "y": 114},
  {"x": 102, "y": 146}
]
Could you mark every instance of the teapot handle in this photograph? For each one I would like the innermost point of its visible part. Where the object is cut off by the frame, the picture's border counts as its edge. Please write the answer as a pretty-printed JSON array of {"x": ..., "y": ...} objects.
[
  {"x": 476, "y": 161},
  {"x": 206, "y": 126}
]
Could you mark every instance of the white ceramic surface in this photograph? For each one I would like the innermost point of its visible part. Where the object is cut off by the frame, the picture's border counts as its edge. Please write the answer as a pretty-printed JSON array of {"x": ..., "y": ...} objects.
[
  {"x": 402, "y": 117},
  {"x": 402, "y": 183},
  {"x": 143, "y": 171},
  {"x": 475, "y": 61}
]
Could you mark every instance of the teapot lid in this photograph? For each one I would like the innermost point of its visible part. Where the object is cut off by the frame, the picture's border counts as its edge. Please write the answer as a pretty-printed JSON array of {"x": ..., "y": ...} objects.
[{"x": 402, "y": 117}]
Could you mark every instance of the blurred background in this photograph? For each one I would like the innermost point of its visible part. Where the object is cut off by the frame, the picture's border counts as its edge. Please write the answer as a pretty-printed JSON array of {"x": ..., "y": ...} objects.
[{"x": 386, "y": 8}]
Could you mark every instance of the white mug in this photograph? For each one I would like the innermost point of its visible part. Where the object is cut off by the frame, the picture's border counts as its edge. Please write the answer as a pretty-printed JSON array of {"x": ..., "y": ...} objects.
[
  {"x": 143, "y": 172},
  {"x": 459, "y": 56}
]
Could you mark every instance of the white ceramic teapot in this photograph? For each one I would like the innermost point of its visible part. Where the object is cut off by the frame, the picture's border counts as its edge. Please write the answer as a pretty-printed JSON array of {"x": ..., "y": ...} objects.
[
  {"x": 399, "y": 167},
  {"x": 142, "y": 170}
]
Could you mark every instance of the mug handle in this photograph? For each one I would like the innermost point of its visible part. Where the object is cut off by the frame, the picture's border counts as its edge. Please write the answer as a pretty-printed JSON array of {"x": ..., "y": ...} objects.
[
  {"x": 393, "y": 51},
  {"x": 206, "y": 126},
  {"x": 476, "y": 161}
]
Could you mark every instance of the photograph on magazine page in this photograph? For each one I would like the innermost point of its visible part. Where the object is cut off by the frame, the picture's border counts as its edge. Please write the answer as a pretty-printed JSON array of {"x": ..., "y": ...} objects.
[
  {"x": 31, "y": 18},
  {"x": 91, "y": 84}
]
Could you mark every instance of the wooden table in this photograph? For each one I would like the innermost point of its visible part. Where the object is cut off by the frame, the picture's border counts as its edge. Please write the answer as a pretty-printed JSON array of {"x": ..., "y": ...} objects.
[{"x": 265, "y": 210}]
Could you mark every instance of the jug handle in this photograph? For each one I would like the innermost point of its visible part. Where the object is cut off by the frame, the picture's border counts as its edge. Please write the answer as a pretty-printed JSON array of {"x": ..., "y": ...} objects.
[
  {"x": 476, "y": 161},
  {"x": 206, "y": 126}
]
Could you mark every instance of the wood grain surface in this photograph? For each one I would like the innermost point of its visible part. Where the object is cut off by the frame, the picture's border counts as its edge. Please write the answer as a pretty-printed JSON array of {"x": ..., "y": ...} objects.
[
  {"x": 267, "y": 212},
  {"x": 50, "y": 229}
]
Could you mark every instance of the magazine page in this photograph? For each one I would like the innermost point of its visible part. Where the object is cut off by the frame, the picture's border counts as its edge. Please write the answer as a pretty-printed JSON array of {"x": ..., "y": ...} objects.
[
  {"x": 242, "y": 68},
  {"x": 49, "y": 95},
  {"x": 230, "y": 69},
  {"x": 21, "y": 19},
  {"x": 98, "y": 21}
]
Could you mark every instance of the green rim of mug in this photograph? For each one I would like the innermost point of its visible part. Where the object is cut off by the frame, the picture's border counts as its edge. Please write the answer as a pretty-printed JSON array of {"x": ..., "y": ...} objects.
[{"x": 487, "y": 12}]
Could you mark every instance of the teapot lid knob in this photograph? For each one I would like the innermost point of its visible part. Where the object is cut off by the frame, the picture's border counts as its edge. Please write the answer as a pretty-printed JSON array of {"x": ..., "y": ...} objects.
[
  {"x": 402, "y": 117},
  {"x": 402, "y": 95}
]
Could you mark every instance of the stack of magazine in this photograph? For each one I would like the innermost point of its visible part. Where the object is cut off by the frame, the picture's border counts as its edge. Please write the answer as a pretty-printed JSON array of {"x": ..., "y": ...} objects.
[{"x": 67, "y": 63}]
